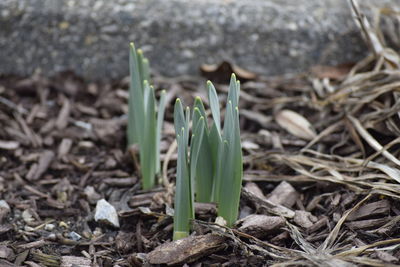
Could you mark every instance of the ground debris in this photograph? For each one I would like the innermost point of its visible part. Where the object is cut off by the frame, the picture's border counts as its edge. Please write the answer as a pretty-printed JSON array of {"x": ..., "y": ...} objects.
[
  {"x": 284, "y": 194},
  {"x": 304, "y": 218},
  {"x": 37, "y": 170},
  {"x": 72, "y": 261},
  {"x": 186, "y": 250},
  {"x": 381, "y": 207},
  {"x": 260, "y": 225},
  {"x": 106, "y": 213}
]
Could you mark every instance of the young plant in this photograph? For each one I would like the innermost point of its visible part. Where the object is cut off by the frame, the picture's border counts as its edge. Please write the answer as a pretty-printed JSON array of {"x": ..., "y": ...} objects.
[
  {"x": 184, "y": 194},
  {"x": 214, "y": 170},
  {"x": 227, "y": 151},
  {"x": 144, "y": 123}
]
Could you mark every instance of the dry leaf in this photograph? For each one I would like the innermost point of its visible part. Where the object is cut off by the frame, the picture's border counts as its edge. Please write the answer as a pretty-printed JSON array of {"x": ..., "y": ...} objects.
[
  {"x": 295, "y": 124},
  {"x": 221, "y": 73},
  {"x": 338, "y": 72}
]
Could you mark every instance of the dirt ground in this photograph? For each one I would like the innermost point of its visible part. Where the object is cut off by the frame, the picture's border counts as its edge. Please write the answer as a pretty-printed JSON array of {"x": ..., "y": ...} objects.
[
  {"x": 63, "y": 147},
  {"x": 320, "y": 186}
]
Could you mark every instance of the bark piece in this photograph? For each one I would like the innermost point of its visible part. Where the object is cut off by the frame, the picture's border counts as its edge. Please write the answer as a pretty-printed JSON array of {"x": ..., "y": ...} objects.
[
  {"x": 44, "y": 162},
  {"x": 6, "y": 253},
  {"x": 367, "y": 224},
  {"x": 304, "y": 218},
  {"x": 265, "y": 205},
  {"x": 63, "y": 116},
  {"x": 261, "y": 225},
  {"x": 5, "y": 263},
  {"x": 372, "y": 209},
  {"x": 253, "y": 188},
  {"x": 186, "y": 250},
  {"x": 202, "y": 209},
  {"x": 284, "y": 194},
  {"x": 322, "y": 222},
  {"x": 64, "y": 147}
]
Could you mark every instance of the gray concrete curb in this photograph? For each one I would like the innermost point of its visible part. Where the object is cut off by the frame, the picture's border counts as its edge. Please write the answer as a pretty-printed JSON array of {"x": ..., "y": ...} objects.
[{"x": 91, "y": 37}]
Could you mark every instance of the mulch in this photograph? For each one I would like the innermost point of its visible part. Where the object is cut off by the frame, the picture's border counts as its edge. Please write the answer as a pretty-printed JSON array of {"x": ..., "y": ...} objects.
[{"x": 321, "y": 171}]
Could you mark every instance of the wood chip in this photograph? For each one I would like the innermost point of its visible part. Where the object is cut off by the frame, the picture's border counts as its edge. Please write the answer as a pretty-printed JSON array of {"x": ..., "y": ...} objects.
[
  {"x": 366, "y": 224},
  {"x": 4, "y": 263},
  {"x": 260, "y": 226},
  {"x": 44, "y": 162},
  {"x": 6, "y": 253},
  {"x": 64, "y": 147},
  {"x": 381, "y": 207},
  {"x": 186, "y": 250},
  {"x": 63, "y": 116},
  {"x": 266, "y": 205},
  {"x": 284, "y": 194},
  {"x": 253, "y": 188},
  {"x": 8, "y": 145},
  {"x": 304, "y": 218}
]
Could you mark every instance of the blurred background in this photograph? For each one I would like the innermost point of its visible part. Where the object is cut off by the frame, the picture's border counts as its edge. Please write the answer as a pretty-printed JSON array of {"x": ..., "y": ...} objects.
[{"x": 91, "y": 37}]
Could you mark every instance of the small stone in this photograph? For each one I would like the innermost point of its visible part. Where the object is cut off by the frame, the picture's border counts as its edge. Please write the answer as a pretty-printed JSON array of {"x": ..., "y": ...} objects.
[
  {"x": 63, "y": 224},
  {"x": 27, "y": 217},
  {"x": 4, "y": 205},
  {"x": 74, "y": 236},
  {"x": 49, "y": 227},
  {"x": 220, "y": 221},
  {"x": 52, "y": 237},
  {"x": 4, "y": 210},
  {"x": 29, "y": 228},
  {"x": 97, "y": 232},
  {"x": 106, "y": 213}
]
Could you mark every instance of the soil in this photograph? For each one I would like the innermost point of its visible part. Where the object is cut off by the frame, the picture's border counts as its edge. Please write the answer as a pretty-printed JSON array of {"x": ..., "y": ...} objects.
[{"x": 63, "y": 148}]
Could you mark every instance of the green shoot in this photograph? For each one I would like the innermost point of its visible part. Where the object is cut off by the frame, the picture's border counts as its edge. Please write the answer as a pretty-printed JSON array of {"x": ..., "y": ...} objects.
[
  {"x": 183, "y": 195},
  {"x": 214, "y": 170},
  {"x": 144, "y": 123},
  {"x": 229, "y": 169}
]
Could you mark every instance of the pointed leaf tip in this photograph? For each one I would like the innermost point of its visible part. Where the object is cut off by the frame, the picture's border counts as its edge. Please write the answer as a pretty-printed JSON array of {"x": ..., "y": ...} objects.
[{"x": 233, "y": 76}]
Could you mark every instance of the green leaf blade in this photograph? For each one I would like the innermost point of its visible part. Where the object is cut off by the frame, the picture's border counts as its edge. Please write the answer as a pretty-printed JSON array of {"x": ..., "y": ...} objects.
[
  {"x": 183, "y": 200},
  {"x": 160, "y": 120},
  {"x": 214, "y": 106},
  {"x": 148, "y": 146}
]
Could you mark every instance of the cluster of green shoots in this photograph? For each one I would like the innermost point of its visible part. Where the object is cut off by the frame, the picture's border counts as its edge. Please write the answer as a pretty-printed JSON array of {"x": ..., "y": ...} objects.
[
  {"x": 144, "y": 122},
  {"x": 209, "y": 168}
]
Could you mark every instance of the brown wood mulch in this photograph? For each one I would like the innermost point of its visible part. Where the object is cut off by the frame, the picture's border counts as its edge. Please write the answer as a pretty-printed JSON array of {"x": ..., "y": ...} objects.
[{"x": 321, "y": 171}]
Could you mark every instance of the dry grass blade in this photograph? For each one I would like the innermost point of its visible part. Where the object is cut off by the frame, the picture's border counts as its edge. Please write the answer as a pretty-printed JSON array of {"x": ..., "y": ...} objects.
[
  {"x": 329, "y": 241},
  {"x": 372, "y": 141},
  {"x": 359, "y": 250}
]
